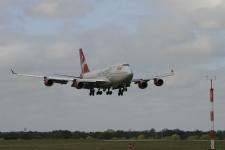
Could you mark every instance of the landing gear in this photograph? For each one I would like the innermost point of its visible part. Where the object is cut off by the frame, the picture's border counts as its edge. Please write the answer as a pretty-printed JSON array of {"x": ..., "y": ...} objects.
[
  {"x": 120, "y": 93},
  {"x": 99, "y": 92},
  {"x": 92, "y": 92},
  {"x": 108, "y": 92}
]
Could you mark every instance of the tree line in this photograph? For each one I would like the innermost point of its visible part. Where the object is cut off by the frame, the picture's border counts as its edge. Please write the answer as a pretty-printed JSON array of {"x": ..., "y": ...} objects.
[{"x": 110, "y": 134}]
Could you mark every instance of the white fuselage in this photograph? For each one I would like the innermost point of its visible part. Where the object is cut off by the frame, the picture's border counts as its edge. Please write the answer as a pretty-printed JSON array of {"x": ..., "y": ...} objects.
[{"x": 116, "y": 75}]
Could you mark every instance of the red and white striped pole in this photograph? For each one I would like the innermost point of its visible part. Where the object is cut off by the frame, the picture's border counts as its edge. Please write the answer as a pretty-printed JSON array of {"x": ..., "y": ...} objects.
[{"x": 212, "y": 131}]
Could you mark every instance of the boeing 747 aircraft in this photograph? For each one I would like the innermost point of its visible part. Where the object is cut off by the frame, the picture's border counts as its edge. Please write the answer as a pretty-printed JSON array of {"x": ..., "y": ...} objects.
[{"x": 114, "y": 77}]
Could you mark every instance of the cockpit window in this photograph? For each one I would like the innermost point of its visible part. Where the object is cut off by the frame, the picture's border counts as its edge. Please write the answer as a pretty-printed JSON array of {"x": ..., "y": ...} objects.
[{"x": 125, "y": 65}]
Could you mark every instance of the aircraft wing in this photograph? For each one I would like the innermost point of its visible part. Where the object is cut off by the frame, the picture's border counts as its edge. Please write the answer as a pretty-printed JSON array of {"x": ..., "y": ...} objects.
[
  {"x": 70, "y": 76},
  {"x": 155, "y": 77},
  {"x": 64, "y": 79},
  {"x": 61, "y": 80}
]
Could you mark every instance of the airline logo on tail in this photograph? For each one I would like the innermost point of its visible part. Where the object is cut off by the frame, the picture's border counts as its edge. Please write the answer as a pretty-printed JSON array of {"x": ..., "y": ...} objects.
[{"x": 83, "y": 63}]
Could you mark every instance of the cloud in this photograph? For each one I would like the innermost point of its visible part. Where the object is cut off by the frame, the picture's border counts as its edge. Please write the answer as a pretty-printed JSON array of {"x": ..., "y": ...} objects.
[
  {"x": 60, "y": 9},
  {"x": 210, "y": 18},
  {"x": 43, "y": 37},
  {"x": 188, "y": 6}
]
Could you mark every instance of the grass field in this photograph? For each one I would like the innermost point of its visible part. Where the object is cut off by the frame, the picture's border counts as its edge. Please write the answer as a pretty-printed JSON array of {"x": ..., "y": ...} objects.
[{"x": 105, "y": 145}]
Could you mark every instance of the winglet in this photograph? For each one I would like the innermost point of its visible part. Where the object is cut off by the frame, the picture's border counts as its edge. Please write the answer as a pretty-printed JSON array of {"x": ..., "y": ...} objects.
[{"x": 13, "y": 72}]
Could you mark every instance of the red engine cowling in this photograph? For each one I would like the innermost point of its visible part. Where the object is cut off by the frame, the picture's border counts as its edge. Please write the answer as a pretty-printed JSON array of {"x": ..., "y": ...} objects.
[
  {"x": 142, "y": 84},
  {"x": 48, "y": 82},
  {"x": 158, "y": 82},
  {"x": 77, "y": 84}
]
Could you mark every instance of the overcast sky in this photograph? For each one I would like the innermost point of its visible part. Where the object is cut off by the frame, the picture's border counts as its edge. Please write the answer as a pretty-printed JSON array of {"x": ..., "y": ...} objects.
[{"x": 43, "y": 37}]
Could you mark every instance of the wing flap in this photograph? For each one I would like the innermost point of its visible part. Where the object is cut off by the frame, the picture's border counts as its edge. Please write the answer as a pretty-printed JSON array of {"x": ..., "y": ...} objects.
[
  {"x": 93, "y": 80},
  {"x": 64, "y": 75}
]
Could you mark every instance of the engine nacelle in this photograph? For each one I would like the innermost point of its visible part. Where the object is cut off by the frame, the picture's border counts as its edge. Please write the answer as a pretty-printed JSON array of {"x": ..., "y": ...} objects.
[
  {"x": 158, "y": 82},
  {"x": 48, "y": 82},
  {"x": 142, "y": 84},
  {"x": 77, "y": 84}
]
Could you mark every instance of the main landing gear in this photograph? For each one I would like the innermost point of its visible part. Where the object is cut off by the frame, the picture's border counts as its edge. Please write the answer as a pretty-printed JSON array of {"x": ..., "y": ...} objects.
[
  {"x": 121, "y": 90},
  {"x": 120, "y": 93},
  {"x": 99, "y": 92},
  {"x": 92, "y": 92},
  {"x": 108, "y": 92}
]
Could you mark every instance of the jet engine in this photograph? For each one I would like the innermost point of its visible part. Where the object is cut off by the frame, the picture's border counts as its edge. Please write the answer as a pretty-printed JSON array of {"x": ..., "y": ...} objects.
[
  {"x": 158, "y": 82},
  {"x": 48, "y": 82},
  {"x": 142, "y": 84},
  {"x": 77, "y": 84}
]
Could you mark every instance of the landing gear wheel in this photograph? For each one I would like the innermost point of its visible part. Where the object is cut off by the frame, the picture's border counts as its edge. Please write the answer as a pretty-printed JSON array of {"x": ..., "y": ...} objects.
[
  {"x": 120, "y": 93},
  {"x": 108, "y": 92},
  {"x": 92, "y": 92},
  {"x": 99, "y": 92}
]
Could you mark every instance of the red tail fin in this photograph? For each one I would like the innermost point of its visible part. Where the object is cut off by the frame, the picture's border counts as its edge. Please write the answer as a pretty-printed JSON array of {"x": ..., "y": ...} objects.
[{"x": 83, "y": 63}]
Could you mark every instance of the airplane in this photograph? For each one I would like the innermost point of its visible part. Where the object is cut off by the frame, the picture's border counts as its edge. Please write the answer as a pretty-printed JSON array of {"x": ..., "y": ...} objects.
[{"x": 118, "y": 76}]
